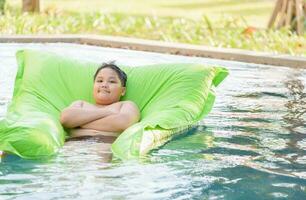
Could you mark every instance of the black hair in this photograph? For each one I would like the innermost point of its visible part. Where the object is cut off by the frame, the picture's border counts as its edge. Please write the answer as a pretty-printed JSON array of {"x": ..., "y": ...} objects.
[{"x": 121, "y": 74}]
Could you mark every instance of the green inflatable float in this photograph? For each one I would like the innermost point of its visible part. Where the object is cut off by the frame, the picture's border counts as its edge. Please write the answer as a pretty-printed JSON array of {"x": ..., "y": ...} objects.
[{"x": 171, "y": 97}]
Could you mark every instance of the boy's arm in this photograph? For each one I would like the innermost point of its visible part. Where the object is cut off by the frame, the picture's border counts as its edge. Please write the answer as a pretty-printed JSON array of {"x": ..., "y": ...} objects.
[
  {"x": 127, "y": 116},
  {"x": 76, "y": 115}
]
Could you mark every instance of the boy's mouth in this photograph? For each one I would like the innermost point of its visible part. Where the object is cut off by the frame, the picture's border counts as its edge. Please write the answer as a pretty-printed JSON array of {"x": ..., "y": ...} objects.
[{"x": 104, "y": 91}]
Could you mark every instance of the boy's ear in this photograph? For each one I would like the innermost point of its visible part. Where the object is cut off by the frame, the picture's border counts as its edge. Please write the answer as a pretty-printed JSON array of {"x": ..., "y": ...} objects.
[{"x": 123, "y": 91}]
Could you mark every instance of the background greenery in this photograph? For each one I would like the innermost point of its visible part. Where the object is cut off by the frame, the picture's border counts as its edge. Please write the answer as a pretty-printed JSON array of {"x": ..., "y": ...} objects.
[{"x": 218, "y": 23}]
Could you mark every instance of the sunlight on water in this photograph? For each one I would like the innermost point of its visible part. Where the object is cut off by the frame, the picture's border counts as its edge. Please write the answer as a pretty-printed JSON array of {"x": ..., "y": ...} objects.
[{"x": 251, "y": 146}]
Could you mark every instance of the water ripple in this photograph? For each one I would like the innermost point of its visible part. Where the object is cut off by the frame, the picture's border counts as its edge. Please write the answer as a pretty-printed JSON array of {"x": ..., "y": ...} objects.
[{"x": 251, "y": 146}]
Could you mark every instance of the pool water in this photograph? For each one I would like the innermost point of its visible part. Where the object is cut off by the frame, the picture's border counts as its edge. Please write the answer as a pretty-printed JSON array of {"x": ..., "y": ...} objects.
[{"x": 251, "y": 146}]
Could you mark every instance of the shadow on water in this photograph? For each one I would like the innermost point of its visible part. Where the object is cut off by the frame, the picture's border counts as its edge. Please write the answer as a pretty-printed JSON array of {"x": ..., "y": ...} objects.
[
  {"x": 185, "y": 146},
  {"x": 13, "y": 164},
  {"x": 260, "y": 95},
  {"x": 15, "y": 171}
]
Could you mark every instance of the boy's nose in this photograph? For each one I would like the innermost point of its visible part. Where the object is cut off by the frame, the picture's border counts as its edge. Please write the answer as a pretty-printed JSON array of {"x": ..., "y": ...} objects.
[{"x": 104, "y": 84}]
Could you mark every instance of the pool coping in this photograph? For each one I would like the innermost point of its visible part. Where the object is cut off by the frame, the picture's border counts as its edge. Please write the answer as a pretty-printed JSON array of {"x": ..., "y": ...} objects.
[{"x": 164, "y": 47}]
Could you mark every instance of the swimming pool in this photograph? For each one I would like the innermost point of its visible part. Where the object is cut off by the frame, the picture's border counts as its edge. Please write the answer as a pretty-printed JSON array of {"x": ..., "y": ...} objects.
[{"x": 251, "y": 146}]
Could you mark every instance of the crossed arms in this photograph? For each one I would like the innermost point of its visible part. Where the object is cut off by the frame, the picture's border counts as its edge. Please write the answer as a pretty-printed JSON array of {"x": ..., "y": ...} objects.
[{"x": 111, "y": 118}]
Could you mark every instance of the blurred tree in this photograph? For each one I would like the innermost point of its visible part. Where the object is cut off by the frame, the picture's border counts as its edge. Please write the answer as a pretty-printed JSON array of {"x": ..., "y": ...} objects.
[
  {"x": 30, "y": 5},
  {"x": 289, "y": 13},
  {"x": 2, "y": 2}
]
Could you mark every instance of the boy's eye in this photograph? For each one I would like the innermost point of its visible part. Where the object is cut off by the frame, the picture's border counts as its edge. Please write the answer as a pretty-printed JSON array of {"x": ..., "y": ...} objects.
[{"x": 99, "y": 81}]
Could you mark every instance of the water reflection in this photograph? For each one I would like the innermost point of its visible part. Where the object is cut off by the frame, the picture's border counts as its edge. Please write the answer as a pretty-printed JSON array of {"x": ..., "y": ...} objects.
[
  {"x": 99, "y": 146},
  {"x": 295, "y": 117},
  {"x": 296, "y": 106}
]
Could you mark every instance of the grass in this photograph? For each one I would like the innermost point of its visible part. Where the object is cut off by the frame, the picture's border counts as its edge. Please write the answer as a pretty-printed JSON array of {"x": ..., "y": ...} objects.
[
  {"x": 191, "y": 9},
  {"x": 226, "y": 30}
]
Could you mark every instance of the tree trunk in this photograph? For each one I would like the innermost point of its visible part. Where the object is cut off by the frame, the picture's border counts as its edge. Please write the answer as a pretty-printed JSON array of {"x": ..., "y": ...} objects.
[
  {"x": 2, "y": 2},
  {"x": 30, "y": 5},
  {"x": 289, "y": 13}
]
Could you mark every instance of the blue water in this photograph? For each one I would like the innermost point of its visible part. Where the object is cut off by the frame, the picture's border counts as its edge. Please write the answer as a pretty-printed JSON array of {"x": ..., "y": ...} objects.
[{"x": 251, "y": 146}]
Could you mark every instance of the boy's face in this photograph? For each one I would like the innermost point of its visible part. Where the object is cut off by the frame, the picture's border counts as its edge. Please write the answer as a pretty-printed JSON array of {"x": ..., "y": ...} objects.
[{"x": 107, "y": 87}]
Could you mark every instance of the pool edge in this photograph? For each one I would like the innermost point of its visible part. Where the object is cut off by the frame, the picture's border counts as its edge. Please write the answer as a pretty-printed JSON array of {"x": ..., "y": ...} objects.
[{"x": 164, "y": 47}]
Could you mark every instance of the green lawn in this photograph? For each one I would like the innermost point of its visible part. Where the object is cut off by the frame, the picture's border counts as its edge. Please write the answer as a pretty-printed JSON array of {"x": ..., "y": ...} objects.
[
  {"x": 218, "y": 23},
  {"x": 256, "y": 12}
]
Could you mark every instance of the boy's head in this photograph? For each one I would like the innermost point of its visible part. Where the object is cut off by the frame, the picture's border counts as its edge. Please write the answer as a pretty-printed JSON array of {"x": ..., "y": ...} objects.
[{"x": 109, "y": 84}]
